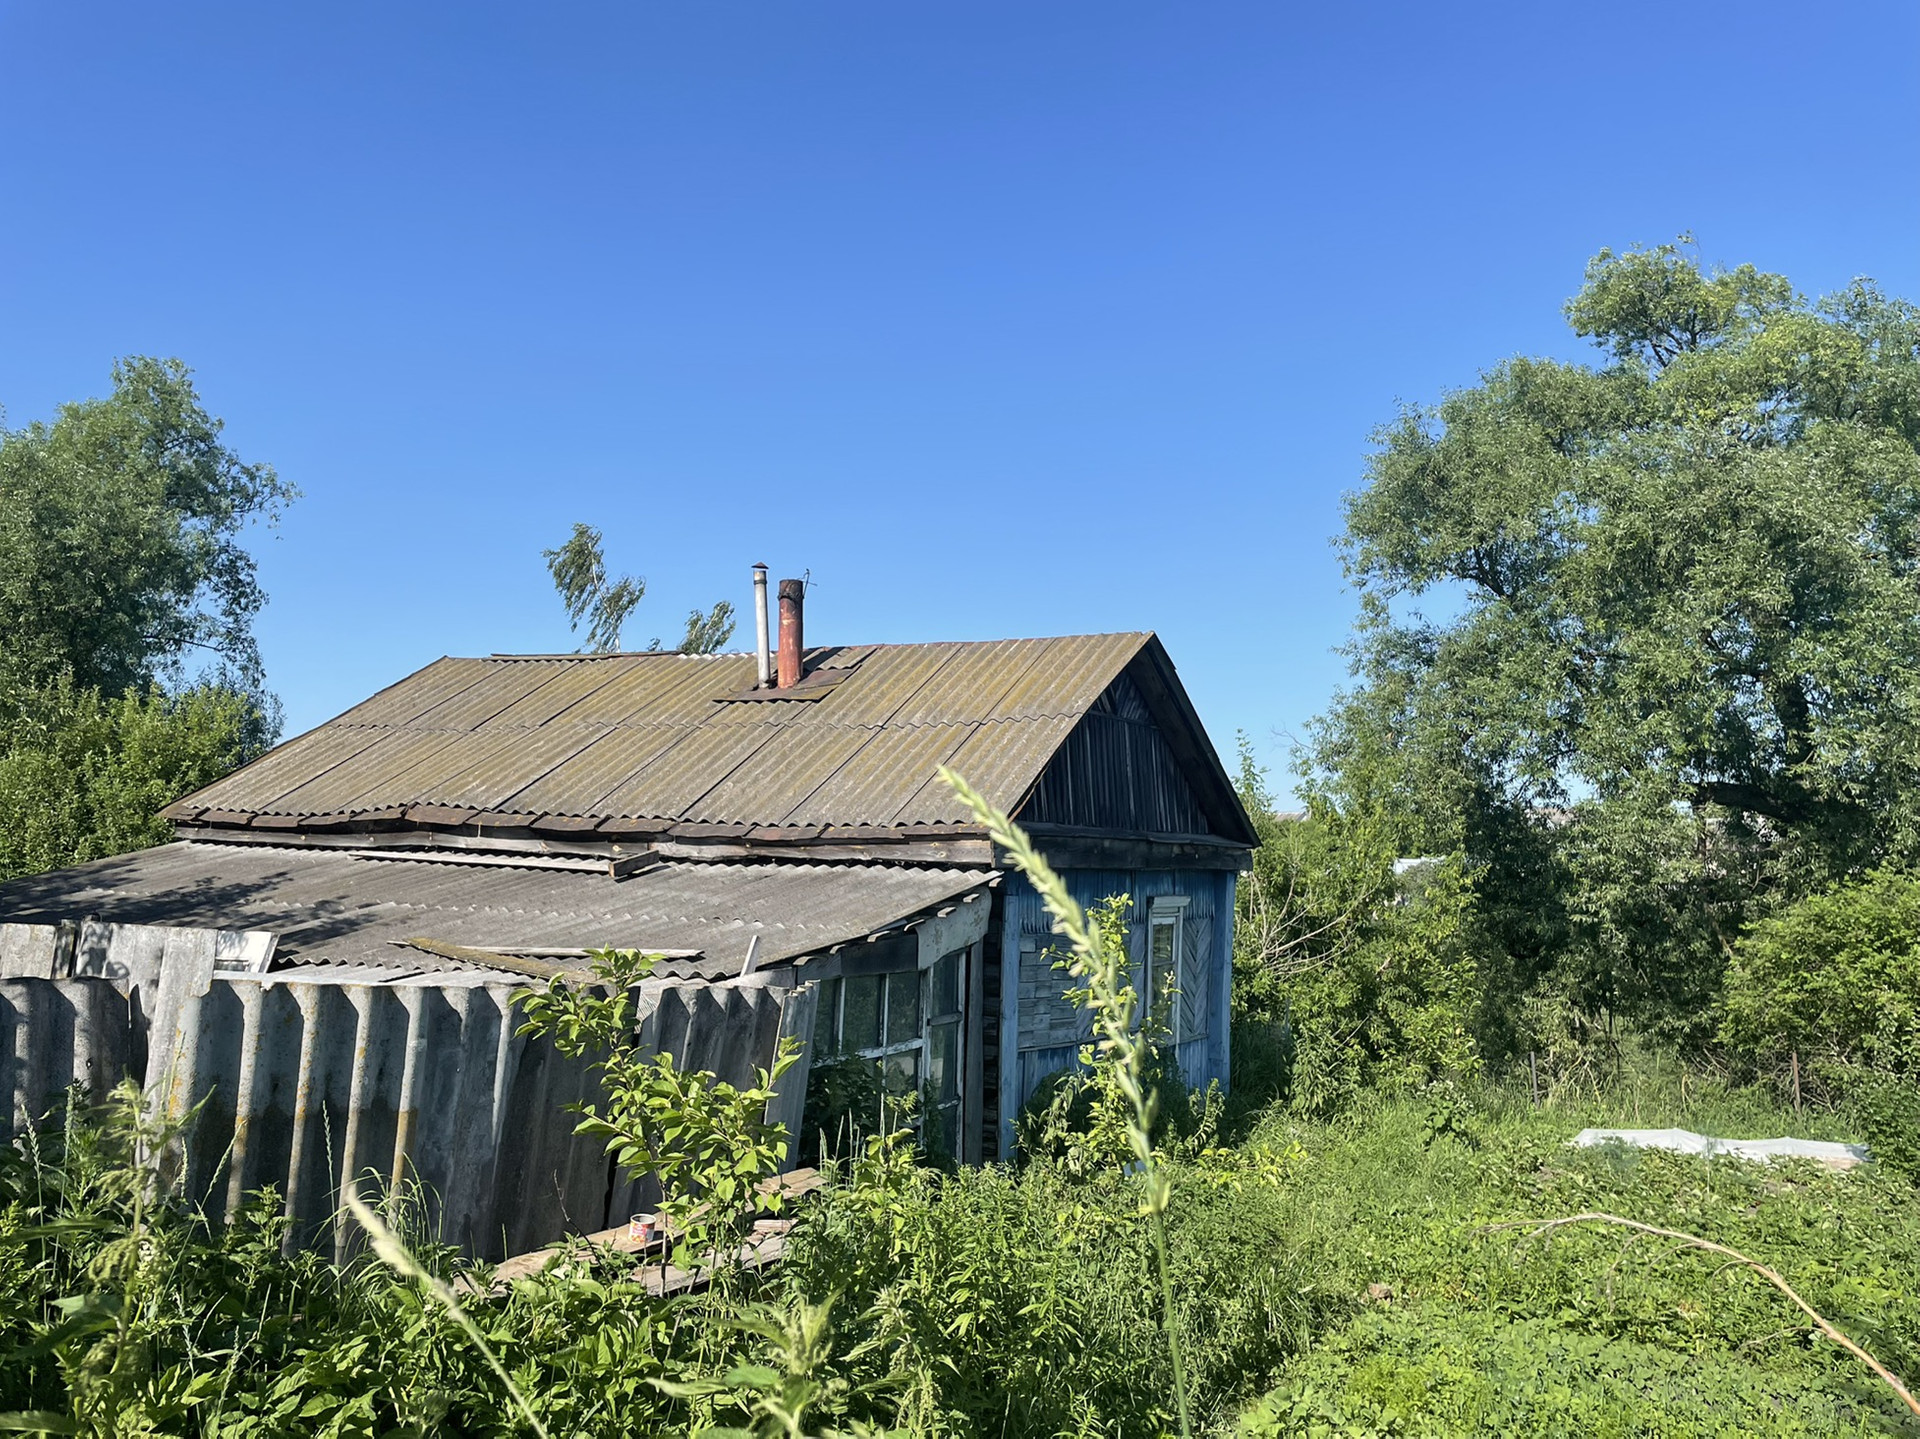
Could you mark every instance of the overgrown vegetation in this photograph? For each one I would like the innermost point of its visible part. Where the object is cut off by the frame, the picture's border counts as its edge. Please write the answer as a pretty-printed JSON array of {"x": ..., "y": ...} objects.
[
  {"x": 1636, "y": 641},
  {"x": 129, "y": 674},
  {"x": 1623, "y": 838},
  {"x": 1329, "y": 1277}
]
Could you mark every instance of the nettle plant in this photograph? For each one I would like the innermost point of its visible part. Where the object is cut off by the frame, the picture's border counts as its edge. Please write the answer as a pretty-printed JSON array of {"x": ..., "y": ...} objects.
[{"x": 707, "y": 1142}]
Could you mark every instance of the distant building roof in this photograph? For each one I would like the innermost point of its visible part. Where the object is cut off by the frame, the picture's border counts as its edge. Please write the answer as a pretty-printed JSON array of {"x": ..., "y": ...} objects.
[
  {"x": 340, "y": 906},
  {"x": 658, "y": 743}
]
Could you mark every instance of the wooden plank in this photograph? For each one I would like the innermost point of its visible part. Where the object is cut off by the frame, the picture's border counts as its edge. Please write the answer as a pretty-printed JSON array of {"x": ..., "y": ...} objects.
[
  {"x": 866, "y": 834},
  {"x": 710, "y": 831},
  {"x": 488, "y": 820},
  {"x": 416, "y": 839},
  {"x": 568, "y": 824},
  {"x": 960, "y": 853},
  {"x": 438, "y": 814},
  {"x": 493, "y": 959},
  {"x": 641, "y": 826},
  {"x": 342, "y": 823},
  {"x": 792, "y": 1186},
  {"x": 237, "y": 818},
  {"x": 1066, "y": 852}
]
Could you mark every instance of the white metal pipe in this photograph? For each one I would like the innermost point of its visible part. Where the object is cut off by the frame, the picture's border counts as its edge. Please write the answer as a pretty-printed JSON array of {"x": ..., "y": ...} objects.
[{"x": 762, "y": 625}]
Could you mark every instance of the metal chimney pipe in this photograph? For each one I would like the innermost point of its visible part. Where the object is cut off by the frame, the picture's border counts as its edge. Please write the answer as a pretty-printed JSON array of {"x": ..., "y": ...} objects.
[
  {"x": 763, "y": 652},
  {"x": 793, "y": 594}
]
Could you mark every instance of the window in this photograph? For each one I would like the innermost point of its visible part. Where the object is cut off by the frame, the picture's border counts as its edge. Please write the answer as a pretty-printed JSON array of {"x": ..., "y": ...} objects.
[
  {"x": 1169, "y": 1009},
  {"x": 910, "y": 1023},
  {"x": 944, "y": 1047}
]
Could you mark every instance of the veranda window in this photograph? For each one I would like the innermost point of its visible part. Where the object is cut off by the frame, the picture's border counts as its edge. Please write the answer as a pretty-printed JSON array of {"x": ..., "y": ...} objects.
[{"x": 910, "y": 1023}]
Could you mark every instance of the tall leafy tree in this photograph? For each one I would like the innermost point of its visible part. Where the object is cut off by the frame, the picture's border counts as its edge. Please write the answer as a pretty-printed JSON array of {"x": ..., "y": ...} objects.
[
  {"x": 579, "y": 570},
  {"x": 120, "y": 539},
  {"x": 1642, "y": 634},
  {"x": 129, "y": 674}
]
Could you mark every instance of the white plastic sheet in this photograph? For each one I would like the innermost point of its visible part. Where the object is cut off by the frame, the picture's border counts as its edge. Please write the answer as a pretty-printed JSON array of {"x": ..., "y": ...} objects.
[{"x": 1685, "y": 1141}]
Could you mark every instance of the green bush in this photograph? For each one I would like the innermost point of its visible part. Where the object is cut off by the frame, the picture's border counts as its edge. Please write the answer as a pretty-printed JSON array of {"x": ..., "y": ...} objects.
[
  {"x": 83, "y": 776},
  {"x": 1835, "y": 977},
  {"x": 1364, "y": 960},
  {"x": 988, "y": 1302}
]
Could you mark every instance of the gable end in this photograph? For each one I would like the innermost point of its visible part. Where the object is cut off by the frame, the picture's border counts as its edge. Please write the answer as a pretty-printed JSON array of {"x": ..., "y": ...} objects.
[{"x": 1117, "y": 772}]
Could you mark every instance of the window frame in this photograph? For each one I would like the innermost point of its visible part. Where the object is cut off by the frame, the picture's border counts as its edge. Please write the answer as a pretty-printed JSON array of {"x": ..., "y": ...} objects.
[
  {"x": 1169, "y": 910},
  {"x": 834, "y": 1004}
]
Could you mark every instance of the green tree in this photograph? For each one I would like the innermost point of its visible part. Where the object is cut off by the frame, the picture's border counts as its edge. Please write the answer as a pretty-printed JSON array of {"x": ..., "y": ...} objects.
[
  {"x": 120, "y": 526},
  {"x": 84, "y": 775},
  {"x": 1354, "y": 933},
  {"x": 579, "y": 570},
  {"x": 1642, "y": 633},
  {"x": 129, "y": 674}
]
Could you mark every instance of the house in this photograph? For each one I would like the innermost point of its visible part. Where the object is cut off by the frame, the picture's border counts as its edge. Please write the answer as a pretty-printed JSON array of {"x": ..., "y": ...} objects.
[{"x": 778, "y": 827}]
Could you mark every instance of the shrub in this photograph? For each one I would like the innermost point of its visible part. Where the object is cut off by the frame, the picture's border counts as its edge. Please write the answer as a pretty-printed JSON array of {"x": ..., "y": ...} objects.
[
  {"x": 1835, "y": 977},
  {"x": 84, "y": 775}
]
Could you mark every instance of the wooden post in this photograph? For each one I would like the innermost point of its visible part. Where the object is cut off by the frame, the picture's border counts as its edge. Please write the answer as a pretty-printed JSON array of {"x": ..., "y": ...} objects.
[
  {"x": 1533, "y": 1070},
  {"x": 1795, "y": 1066}
]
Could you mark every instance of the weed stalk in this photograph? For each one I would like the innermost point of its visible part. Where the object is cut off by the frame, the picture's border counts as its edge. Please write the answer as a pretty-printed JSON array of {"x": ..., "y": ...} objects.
[{"x": 1099, "y": 962}]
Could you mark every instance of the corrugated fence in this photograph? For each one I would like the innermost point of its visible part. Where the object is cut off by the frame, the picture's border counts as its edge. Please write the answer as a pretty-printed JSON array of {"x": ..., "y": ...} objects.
[{"x": 307, "y": 1077}]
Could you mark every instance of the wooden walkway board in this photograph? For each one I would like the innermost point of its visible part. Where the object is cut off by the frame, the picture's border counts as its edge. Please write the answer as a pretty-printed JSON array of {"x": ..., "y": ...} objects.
[{"x": 791, "y": 1186}]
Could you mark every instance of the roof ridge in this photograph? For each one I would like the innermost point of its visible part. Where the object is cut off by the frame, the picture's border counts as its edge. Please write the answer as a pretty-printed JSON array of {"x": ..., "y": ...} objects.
[{"x": 811, "y": 649}]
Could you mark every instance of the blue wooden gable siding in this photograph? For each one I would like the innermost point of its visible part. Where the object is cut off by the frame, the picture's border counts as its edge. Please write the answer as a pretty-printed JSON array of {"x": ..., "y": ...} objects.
[{"x": 1041, "y": 1034}]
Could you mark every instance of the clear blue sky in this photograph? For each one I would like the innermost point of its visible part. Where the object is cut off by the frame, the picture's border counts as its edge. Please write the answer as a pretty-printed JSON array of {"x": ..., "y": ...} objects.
[{"x": 999, "y": 318}]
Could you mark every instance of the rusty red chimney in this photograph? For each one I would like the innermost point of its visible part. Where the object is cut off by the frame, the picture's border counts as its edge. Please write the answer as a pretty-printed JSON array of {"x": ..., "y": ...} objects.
[{"x": 793, "y": 594}]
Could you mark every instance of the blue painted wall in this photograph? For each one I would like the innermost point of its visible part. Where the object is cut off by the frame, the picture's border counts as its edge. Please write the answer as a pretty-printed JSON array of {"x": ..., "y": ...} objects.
[{"x": 1041, "y": 1034}]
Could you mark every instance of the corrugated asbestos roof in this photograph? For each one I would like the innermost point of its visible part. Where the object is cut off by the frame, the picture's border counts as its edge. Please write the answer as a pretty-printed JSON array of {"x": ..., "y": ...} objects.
[
  {"x": 666, "y": 737},
  {"x": 339, "y": 907}
]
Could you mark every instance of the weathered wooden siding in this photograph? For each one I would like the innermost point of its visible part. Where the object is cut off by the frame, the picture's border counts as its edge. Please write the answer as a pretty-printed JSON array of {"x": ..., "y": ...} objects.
[
  {"x": 1047, "y": 1031},
  {"x": 1116, "y": 772}
]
